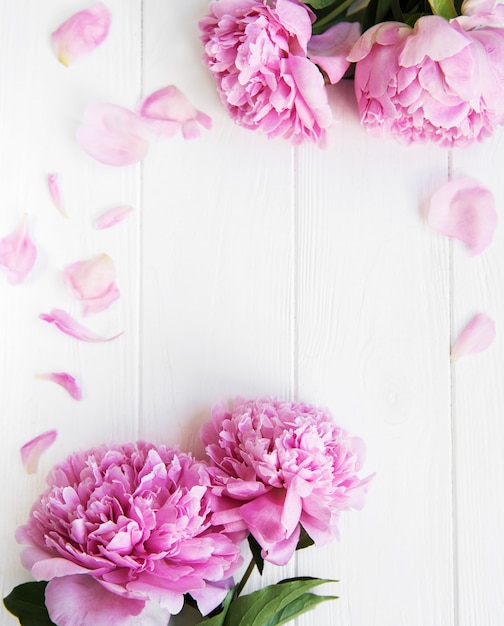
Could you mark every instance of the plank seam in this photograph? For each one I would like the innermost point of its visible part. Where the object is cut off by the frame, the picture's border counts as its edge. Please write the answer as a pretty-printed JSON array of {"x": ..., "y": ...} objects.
[{"x": 453, "y": 429}]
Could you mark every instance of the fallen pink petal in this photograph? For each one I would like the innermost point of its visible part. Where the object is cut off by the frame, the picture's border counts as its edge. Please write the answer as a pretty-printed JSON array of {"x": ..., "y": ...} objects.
[
  {"x": 31, "y": 451},
  {"x": 169, "y": 110},
  {"x": 81, "y": 33},
  {"x": 68, "y": 325},
  {"x": 64, "y": 380},
  {"x": 465, "y": 210},
  {"x": 112, "y": 217},
  {"x": 476, "y": 337},
  {"x": 55, "y": 191},
  {"x": 113, "y": 135},
  {"x": 93, "y": 283},
  {"x": 18, "y": 253}
]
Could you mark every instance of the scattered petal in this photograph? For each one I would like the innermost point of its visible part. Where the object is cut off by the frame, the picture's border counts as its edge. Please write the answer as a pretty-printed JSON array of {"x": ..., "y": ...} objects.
[
  {"x": 31, "y": 451},
  {"x": 113, "y": 135},
  {"x": 81, "y": 33},
  {"x": 330, "y": 49},
  {"x": 66, "y": 323},
  {"x": 112, "y": 217},
  {"x": 54, "y": 190},
  {"x": 168, "y": 110},
  {"x": 476, "y": 337},
  {"x": 64, "y": 380},
  {"x": 465, "y": 210},
  {"x": 93, "y": 283},
  {"x": 18, "y": 253}
]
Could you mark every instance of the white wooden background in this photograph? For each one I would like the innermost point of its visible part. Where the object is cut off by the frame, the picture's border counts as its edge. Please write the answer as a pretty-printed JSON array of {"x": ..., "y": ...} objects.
[{"x": 252, "y": 267}]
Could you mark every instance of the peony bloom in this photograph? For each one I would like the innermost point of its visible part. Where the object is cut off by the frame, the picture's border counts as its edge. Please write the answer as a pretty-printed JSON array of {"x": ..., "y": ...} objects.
[
  {"x": 128, "y": 526},
  {"x": 257, "y": 52},
  {"x": 439, "y": 81},
  {"x": 279, "y": 465}
]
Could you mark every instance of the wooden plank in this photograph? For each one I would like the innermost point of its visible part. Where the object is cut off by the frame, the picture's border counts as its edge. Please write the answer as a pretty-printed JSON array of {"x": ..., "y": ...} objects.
[
  {"x": 477, "y": 407},
  {"x": 217, "y": 264},
  {"x": 373, "y": 326},
  {"x": 41, "y": 103}
]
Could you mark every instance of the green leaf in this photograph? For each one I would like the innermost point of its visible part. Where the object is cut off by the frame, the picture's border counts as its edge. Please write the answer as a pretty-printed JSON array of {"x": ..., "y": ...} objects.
[
  {"x": 299, "y": 606},
  {"x": 256, "y": 550},
  {"x": 320, "y": 4},
  {"x": 444, "y": 8},
  {"x": 375, "y": 12},
  {"x": 382, "y": 8},
  {"x": 27, "y": 603},
  {"x": 220, "y": 618},
  {"x": 305, "y": 541},
  {"x": 260, "y": 607}
]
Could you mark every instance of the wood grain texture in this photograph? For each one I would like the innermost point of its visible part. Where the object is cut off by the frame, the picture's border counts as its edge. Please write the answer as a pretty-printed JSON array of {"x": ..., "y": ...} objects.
[
  {"x": 477, "y": 408},
  {"x": 251, "y": 267},
  {"x": 41, "y": 104},
  {"x": 373, "y": 321},
  {"x": 217, "y": 254}
]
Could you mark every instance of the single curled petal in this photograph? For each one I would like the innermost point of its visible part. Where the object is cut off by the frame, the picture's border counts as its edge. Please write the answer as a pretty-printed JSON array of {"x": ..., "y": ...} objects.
[
  {"x": 112, "y": 217},
  {"x": 55, "y": 191},
  {"x": 93, "y": 283},
  {"x": 66, "y": 323},
  {"x": 476, "y": 337},
  {"x": 79, "y": 599},
  {"x": 330, "y": 49},
  {"x": 64, "y": 380},
  {"x": 169, "y": 110},
  {"x": 81, "y": 33},
  {"x": 31, "y": 451},
  {"x": 465, "y": 210},
  {"x": 18, "y": 253},
  {"x": 113, "y": 135}
]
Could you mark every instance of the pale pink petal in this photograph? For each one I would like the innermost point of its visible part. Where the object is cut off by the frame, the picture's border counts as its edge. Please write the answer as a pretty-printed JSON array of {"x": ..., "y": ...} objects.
[
  {"x": 263, "y": 517},
  {"x": 66, "y": 381},
  {"x": 79, "y": 599},
  {"x": 152, "y": 615},
  {"x": 281, "y": 552},
  {"x": 274, "y": 522},
  {"x": 18, "y": 253},
  {"x": 38, "y": 561},
  {"x": 168, "y": 110},
  {"x": 31, "y": 451},
  {"x": 66, "y": 323},
  {"x": 212, "y": 594},
  {"x": 476, "y": 337},
  {"x": 93, "y": 283},
  {"x": 81, "y": 33},
  {"x": 112, "y": 217},
  {"x": 465, "y": 210},
  {"x": 330, "y": 49},
  {"x": 113, "y": 135},
  {"x": 55, "y": 191},
  {"x": 291, "y": 513}
]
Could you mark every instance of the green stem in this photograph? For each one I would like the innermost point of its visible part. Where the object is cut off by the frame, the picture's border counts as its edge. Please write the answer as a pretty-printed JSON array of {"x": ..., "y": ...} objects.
[
  {"x": 327, "y": 19},
  {"x": 245, "y": 577}
]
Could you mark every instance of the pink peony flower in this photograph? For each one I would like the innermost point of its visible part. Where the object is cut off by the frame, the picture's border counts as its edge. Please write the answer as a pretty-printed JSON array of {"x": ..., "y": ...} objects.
[
  {"x": 257, "y": 52},
  {"x": 129, "y": 526},
  {"x": 279, "y": 465},
  {"x": 439, "y": 81}
]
